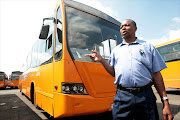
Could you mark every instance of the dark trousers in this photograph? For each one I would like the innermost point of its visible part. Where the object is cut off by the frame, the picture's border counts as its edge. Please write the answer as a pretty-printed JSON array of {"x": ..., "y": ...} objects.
[{"x": 135, "y": 106}]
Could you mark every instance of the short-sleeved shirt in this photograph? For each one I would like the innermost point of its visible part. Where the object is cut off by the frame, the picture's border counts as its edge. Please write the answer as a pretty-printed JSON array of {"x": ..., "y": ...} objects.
[{"x": 135, "y": 63}]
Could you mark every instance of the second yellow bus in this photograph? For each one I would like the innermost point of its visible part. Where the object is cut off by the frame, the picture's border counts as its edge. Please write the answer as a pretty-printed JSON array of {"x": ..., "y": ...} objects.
[{"x": 170, "y": 51}]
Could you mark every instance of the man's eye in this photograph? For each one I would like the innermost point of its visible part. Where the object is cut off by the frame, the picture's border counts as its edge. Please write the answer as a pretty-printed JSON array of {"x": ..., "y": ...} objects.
[{"x": 125, "y": 25}]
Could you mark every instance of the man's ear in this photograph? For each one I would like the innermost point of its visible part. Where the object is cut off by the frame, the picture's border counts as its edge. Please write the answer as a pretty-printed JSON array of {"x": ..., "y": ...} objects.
[{"x": 135, "y": 28}]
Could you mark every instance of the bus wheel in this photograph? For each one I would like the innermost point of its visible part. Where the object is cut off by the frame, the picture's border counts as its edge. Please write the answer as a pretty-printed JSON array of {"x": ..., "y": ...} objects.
[
  {"x": 32, "y": 93},
  {"x": 33, "y": 97}
]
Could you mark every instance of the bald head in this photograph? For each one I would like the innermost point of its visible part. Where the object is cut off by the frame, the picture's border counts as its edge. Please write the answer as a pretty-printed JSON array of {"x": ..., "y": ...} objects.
[{"x": 132, "y": 21}]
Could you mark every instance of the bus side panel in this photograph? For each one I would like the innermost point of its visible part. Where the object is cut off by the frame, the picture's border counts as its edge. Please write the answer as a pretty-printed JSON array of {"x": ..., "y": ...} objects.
[
  {"x": 171, "y": 75},
  {"x": 43, "y": 83},
  {"x": 45, "y": 102},
  {"x": 23, "y": 88},
  {"x": 28, "y": 85},
  {"x": 24, "y": 83}
]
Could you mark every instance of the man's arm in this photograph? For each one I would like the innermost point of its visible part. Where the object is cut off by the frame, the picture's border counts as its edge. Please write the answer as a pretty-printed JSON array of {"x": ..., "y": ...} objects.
[
  {"x": 159, "y": 85},
  {"x": 96, "y": 57}
]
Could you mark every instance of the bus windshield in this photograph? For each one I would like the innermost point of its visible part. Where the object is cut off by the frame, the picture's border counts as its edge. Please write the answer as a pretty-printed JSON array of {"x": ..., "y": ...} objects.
[
  {"x": 15, "y": 75},
  {"x": 1, "y": 76},
  {"x": 86, "y": 32}
]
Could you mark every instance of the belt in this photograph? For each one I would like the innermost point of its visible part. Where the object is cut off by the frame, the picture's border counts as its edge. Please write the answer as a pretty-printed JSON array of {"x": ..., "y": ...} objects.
[{"x": 135, "y": 89}]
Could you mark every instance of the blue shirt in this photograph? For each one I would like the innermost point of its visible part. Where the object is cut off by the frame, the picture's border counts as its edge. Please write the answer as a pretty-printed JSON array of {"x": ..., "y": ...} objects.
[{"x": 135, "y": 63}]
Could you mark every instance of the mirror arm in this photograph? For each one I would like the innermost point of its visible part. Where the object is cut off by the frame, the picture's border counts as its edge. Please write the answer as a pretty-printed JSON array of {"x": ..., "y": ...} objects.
[{"x": 51, "y": 18}]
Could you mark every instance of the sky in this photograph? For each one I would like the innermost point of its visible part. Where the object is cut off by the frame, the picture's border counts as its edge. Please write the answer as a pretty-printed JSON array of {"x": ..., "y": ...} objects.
[{"x": 158, "y": 21}]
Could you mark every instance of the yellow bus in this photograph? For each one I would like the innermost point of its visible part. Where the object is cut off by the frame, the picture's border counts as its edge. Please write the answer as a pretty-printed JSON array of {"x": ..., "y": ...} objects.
[
  {"x": 58, "y": 77},
  {"x": 14, "y": 79},
  {"x": 3, "y": 80},
  {"x": 170, "y": 52}
]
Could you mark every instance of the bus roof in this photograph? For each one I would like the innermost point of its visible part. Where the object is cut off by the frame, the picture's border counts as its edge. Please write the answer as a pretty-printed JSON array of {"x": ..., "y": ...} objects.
[
  {"x": 17, "y": 72},
  {"x": 91, "y": 10},
  {"x": 166, "y": 43}
]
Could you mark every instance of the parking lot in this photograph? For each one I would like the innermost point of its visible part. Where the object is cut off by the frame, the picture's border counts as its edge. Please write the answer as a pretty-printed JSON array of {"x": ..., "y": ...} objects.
[{"x": 15, "y": 106}]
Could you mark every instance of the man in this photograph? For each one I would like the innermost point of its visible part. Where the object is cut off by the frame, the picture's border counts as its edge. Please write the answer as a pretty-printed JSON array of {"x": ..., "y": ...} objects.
[{"x": 135, "y": 64}]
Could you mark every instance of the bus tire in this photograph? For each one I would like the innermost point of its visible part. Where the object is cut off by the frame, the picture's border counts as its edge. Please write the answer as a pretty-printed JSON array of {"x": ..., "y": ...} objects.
[
  {"x": 33, "y": 96},
  {"x": 32, "y": 93}
]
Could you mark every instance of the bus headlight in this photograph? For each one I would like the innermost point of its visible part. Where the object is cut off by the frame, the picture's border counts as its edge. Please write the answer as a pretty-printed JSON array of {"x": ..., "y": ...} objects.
[{"x": 74, "y": 88}]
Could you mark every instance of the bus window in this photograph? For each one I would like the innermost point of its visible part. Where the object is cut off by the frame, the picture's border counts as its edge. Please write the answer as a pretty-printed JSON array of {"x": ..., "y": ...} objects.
[
  {"x": 45, "y": 52},
  {"x": 46, "y": 56},
  {"x": 1, "y": 76},
  {"x": 163, "y": 50},
  {"x": 170, "y": 52},
  {"x": 28, "y": 60},
  {"x": 58, "y": 50},
  {"x": 58, "y": 47},
  {"x": 50, "y": 42},
  {"x": 42, "y": 55},
  {"x": 174, "y": 48},
  {"x": 35, "y": 54}
]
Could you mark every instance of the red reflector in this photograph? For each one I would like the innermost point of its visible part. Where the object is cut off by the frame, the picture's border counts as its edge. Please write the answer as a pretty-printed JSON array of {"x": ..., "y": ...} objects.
[{"x": 56, "y": 87}]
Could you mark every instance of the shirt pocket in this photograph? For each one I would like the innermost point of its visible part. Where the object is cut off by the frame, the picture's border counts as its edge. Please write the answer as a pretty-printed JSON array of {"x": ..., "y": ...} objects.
[{"x": 142, "y": 56}]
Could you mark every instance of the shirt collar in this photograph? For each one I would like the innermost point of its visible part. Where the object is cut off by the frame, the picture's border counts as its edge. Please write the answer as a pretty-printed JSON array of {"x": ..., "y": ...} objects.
[{"x": 137, "y": 41}]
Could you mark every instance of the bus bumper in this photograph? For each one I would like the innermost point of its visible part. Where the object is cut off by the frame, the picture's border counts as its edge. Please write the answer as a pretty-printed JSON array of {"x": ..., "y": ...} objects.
[{"x": 66, "y": 105}]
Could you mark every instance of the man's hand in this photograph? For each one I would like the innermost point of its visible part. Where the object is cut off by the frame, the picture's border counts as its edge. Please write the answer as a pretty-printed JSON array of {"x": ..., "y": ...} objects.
[
  {"x": 167, "y": 114},
  {"x": 159, "y": 85},
  {"x": 96, "y": 57}
]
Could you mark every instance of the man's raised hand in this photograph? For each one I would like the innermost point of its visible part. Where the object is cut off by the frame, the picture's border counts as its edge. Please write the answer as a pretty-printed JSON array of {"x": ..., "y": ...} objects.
[{"x": 95, "y": 56}]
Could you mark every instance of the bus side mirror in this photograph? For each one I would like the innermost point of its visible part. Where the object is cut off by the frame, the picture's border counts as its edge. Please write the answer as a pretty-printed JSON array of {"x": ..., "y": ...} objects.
[{"x": 44, "y": 32}]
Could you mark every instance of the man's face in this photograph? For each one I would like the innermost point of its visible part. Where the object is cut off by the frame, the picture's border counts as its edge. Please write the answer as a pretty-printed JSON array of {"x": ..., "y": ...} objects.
[{"x": 127, "y": 29}]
